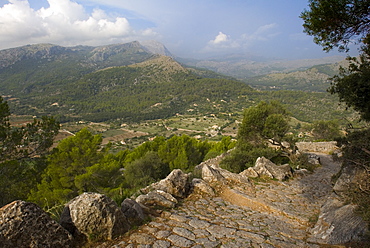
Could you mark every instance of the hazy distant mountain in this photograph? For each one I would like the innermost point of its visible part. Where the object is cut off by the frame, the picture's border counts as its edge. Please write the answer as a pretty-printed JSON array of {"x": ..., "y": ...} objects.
[
  {"x": 243, "y": 66},
  {"x": 156, "y": 48}
]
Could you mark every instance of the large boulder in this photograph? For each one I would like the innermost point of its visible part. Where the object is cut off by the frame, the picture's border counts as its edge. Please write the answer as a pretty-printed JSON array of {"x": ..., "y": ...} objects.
[
  {"x": 217, "y": 178},
  {"x": 24, "y": 224},
  {"x": 338, "y": 223},
  {"x": 264, "y": 167},
  {"x": 157, "y": 198},
  {"x": 92, "y": 217},
  {"x": 133, "y": 212},
  {"x": 176, "y": 183}
]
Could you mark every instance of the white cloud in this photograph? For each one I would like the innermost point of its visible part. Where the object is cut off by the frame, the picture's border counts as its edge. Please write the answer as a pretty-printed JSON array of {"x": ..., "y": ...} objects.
[
  {"x": 220, "y": 38},
  {"x": 64, "y": 22},
  {"x": 223, "y": 42},
  {"x": 220, "y": 43},
  {"x": 263, "y": 33}
]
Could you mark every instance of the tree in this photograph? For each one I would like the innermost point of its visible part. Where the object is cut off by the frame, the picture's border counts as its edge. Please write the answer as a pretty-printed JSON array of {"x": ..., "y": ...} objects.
[
  {"x": 262, "y": 124},
  {"x": 28, "y": 141},
  {"x": 327, "y": 130},
  {"x": 23, "y": 153},
  {"x": 338, "y": 23},
  {"x": 145, "y": 170},
  {"x": 266, "y": 122},
  {"x": 76, "y": 165}
]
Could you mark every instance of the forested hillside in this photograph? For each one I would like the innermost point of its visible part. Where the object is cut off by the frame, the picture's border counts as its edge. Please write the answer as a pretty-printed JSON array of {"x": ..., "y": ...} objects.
[{"x": 130, "y": 83}]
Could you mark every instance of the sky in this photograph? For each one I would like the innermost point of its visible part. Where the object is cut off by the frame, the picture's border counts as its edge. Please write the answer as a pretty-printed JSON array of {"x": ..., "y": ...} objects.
[{"x": 188, "y": 28}]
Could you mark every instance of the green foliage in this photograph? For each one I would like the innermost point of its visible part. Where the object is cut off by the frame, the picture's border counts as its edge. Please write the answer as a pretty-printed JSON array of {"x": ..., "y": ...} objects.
[
  {"x": 263, "y": 123},
  {"x": 335, "y": 23},
  {"x": 22, "y": 154},
  {"x": 352, "y": 84},
  {"x": 77, "y": 165},
  {"x": 221, "y": 147},
  {"x": 266, "y": 121},
  {"x": 145, "y": 170},
  {"x": 245, "y": 155},
  {"x": 325, "y": 130},
  {"x": 28, "y": 141},
  {"x": 183, "y": 152}
]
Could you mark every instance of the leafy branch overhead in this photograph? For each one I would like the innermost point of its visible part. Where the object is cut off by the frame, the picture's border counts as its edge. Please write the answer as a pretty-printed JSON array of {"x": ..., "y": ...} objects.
[{"x": 335, "y": 23}]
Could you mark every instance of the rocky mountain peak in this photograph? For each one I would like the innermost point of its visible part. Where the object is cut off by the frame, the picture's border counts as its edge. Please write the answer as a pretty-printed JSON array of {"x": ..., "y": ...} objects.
[{"x": 156, "y": 47}]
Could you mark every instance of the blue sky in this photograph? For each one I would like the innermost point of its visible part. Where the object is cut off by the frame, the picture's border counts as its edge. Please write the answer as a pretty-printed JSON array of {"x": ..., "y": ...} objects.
[{"x": 188, "y": 28}]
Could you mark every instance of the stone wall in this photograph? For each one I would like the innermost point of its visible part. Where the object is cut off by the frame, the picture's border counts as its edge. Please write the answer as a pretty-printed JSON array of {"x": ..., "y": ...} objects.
[{"x": 322, "y": 147}]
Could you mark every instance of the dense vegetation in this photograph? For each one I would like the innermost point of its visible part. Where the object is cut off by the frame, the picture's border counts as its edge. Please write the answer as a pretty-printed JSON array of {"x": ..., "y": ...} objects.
[{"x": 80, "y": 163}]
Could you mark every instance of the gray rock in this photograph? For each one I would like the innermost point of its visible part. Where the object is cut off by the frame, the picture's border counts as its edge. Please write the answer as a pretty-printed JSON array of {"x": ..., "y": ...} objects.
[
  {"x": 157, "y": 198},
  {"x": 348, "y": 178},
  {"x": 24, "y": 224},
  {"x": 133, "y": 212},
  {"x": 338, "y": 223},
  {"x": 92, "y": 216},
  {"x": 180, "y": 241},
  {"x": 184, "y": 233},
  {"x": 161, "y": 244},
  {"x": 176, "y": 183},
  {"x": 201, "y": 187},
  {"x": 265, "y": 167},
  {"x": 250, "y": 172}
]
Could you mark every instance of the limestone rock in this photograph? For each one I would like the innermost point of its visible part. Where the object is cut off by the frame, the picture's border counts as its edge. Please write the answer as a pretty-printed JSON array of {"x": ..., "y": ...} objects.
[
  {"x": 217, "y": 177},
  {"x": 24, "y": 224},
  {"x": 176, "y": 183},
  {"x": 157, "y": 198},
  {"x": 200, "y": 186},
  {"x": 93, "y": 216},
  {"x": 348, "y": 178},
  {"x": 133, "y": 212},
  {"x": 210, "y": 174},
  {"x": 265, "y": 167},
  {"x": 338, "y": 224},
  {"x": 250, "y": 172}
]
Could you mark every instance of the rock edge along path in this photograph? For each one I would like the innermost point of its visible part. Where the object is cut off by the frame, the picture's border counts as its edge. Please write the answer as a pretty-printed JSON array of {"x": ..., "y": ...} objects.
[{"x": 280, "y": 215}]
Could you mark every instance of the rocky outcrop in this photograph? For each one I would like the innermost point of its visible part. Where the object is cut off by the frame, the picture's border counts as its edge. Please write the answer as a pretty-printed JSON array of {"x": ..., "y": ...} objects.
[
  {"x": 24, "y": 224},
  {"x": 92, "y": 216},
  {"x": 176, "y": 183},
  {"x": 338, "y": 223},
  {"x": 199, "y": 186},
  {"x": 212, "y": 174},
  {"x": 265, "y": 167}
]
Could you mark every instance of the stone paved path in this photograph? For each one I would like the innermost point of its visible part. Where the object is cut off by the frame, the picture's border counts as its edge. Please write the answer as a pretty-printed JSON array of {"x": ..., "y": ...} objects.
[{"x": 280, "y": 215}]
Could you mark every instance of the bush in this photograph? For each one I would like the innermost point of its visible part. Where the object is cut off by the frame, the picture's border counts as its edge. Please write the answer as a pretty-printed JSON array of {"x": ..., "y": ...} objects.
[{"x": 245, "y": 155}]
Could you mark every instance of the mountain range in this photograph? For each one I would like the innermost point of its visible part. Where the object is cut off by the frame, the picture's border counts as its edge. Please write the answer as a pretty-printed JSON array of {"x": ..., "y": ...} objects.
[{"x": 135, "y": 81}]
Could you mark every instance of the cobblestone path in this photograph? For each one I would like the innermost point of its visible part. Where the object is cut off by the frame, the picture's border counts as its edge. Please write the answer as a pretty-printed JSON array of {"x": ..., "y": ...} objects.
[{"x": 280, "y": 215}]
